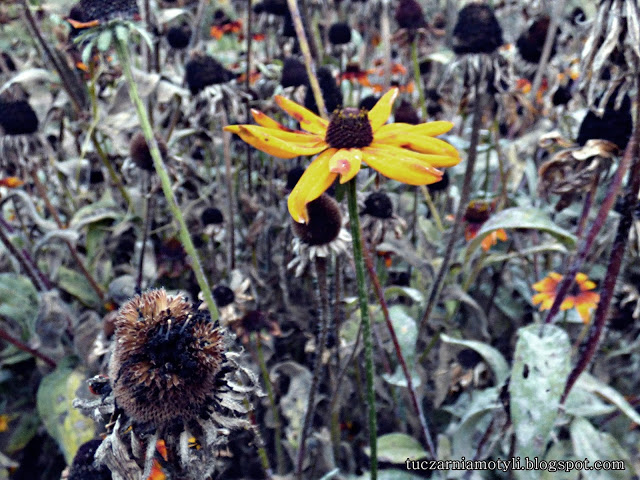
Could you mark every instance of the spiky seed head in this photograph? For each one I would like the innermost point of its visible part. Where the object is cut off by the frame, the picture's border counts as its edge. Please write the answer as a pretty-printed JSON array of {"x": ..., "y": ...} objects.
[
  {"x": 166, "y": 364},
  {"x": 203, "y": 70},
  {"x": 378, "y": 204},
  {"x": 83, "y": 468},
  {"x": 141, "y": 154},
  {"x": 477, "y": 30},
  {"x": 17, "y": 118},
  {"x": 340, "y": 33}
]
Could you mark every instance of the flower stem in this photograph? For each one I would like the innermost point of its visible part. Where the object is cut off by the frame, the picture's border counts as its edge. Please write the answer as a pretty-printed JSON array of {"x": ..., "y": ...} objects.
[
  {"x": 323, "y": 311},
  {"x": 123, "y": 54},
  {"x": 464, "y": 200},
  {"x": 26, "y": 348},
  {"x": 396, "y": 345},
  {"x": 274, "y": 406},
  {"x": 354, "y": 220},
  {"x": 418, "y": 78},
  {"x": 308, "y": 58}
]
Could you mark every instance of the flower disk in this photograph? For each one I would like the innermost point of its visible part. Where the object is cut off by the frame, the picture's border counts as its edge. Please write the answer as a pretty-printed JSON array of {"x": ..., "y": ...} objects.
[
  {"x": 349, "y": 128},
  {"x": 167, "y": 361}
]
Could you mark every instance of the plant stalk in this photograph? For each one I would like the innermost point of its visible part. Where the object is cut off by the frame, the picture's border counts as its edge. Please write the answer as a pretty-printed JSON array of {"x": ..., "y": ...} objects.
[{"x": 356, "y": 233}]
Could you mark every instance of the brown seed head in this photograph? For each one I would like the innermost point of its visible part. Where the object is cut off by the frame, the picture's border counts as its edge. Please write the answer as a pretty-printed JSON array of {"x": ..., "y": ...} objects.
[
  {"x": 325, "y": 221},
  {"x": 166, "y": 365}
]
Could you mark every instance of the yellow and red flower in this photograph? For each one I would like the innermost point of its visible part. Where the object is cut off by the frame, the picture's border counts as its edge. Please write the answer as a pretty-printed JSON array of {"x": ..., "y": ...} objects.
[
  {"x": 229, "y": 27},
  {"x": 581, "y": 297},
  {"x": 403, "y": 152},
  {"x": 478, "y": 212}
]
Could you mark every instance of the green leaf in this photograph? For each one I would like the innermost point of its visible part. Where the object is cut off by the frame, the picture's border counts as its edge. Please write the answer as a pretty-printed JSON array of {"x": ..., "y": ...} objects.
[
  {"x": 593, "y": 445},
  {"x": 589, "y": 383},
  {"x": 413, "y": 293},
  {"x": 582, "y": 403},
  {"x": 521, "y": 217},
  {"x": 540, "y": 369},
  {"x": 104, "y": 40},
  {"x": 54, "y": 402},
  {"x": 397, "y": 447},
  {"x": 22, "y": 432},
  {"x": 75, "y": 284},
  {"x": 492, "y": 356},
  {"x": 19, "y": 301},
  {"x": 407, "y": 333}
]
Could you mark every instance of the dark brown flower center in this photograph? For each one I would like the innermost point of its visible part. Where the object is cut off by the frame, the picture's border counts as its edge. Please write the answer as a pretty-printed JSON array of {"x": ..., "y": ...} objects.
[{"x": 349, "y": 128}]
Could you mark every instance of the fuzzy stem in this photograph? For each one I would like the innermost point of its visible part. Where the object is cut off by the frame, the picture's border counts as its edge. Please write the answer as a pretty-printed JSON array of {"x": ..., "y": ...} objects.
[
  {"x": 588, "y": 202},
  {"x": 123, "y": 54},
  {"x": 308, "y": 58},
  {"x": 432, "y": 207},
  {"x": 396, "y": 345},
  {"x": 26, "y": 348},
  {"x": 615, "y": 262},
  {"x": 274, "y": 406},
  {"x": 354, "y": 221},
  {"x": 464, "y": 200},
  {"x": 323, "y": 312},
  {"x": 104, "y": 158},
  {"x": 556, "y": 16},
  {"x": 226, "y": 153},
  {"x": 247, "y": 85},
  {"x": 148, "y": 215}
]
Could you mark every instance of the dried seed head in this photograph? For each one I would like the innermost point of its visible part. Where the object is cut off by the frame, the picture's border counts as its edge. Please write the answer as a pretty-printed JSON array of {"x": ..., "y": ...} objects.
[
  {"x": 82, "y": 467},
  {"x": 330, "y": 92},
  {"x": 140, "y": 153},
  {"x": 477, "y": 30},
  {"x": 325, "y": 221},
  {"x": 339, "y": 33},
  {"x": 531, "y": 42},
  {"x": 405, "y": 113},
  {"x": 349, "y": 128},
  {"x": 88, "y": 10},
  {"x": 203, "y": 70},
  {"x": 478, "y": 211},
  {"x": 378, "y": 204},
  {"x": 409, "y": 14},
  {"x": 223, "y": 296},
  {"x": 469, "y": 358},
  {"x": 294, "y": 73},
  {"x": 441, "y": 184},
  {"x": 212, "y": 216},
  {"x": 275, "y": 7},
  {"x": 293, "y": 175},
  {"x": 17, "y": 118},
  {"x": 179, "y": 37},
  {"x": 614, "y": 125},
  {"x": 367, "y": 103},
  {"x": 165, "y": 369}
]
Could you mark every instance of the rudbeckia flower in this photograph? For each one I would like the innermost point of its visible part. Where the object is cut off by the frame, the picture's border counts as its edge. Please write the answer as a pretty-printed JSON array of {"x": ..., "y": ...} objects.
[
  {"x": 402, "y": 152},
  {"x": 581, "y": 297}
]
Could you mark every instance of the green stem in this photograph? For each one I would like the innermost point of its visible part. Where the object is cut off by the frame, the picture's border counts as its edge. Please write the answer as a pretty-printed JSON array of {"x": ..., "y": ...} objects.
[
  {"x": 123, "y": 54},
  {"x": 354, "y": 220},
  {"x": 274, "y": 407}
]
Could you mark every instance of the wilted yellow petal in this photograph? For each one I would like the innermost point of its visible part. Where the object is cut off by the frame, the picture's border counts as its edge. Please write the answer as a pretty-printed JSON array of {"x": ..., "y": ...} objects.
[
  {"x": 346, "y": 162},
  {"x": 314, "y": 182},
  {"x": 309, "y": 121},
  {"x": 265, "y": 140}
]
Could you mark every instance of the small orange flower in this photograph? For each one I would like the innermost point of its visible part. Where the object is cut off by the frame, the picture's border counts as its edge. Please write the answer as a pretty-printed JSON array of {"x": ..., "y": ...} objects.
[
  {"x": 353, "y": 73},
  {"x": 11, "y": 182},
  {"x": 471, "y": 231},
  {"x": 478, "y": 212},
  {"x": 217, "y": 31},
  {"x": 580, "y": 298}
]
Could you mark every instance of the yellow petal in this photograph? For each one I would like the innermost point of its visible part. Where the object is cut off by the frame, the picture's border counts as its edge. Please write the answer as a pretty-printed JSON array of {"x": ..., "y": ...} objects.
[
  {"x": 264, "y": 140},
  {"x": 265, "y": 121},
  {"x": 584, "y": 310},
  {"x": 314, "y": 182},
  {"x": 438, "y": 161},
  {"x": 309, "y": 121},
  {"x": 430, "y": 129},
  {"x": 420, "y": 143},
  {"x": 294, "y": 137},
  {"x": 381, "y": 111},
  {"x": 404, "y": 168},
  {"x": 346, "y": 162}
]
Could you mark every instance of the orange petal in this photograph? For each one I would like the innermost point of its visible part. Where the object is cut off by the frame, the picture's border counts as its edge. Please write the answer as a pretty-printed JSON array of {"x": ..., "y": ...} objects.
[
  {"x": 11, "y": 182},
  {"x": 265, "y": 140},
  {"x": 346, "y": 162},
  {"x": 501, "y": 234},
  {"x": 544, "y": 299},
  {"x": 404, "y": 168},
  {"x": 309, "y": 121},
  {"x": 80, "y": 25},
  {"x": 381, "y": 111},
  {"x": 314, "y": 182},
  {"x": 264, "y": 121},
  {"x": 584, "y": 310}
]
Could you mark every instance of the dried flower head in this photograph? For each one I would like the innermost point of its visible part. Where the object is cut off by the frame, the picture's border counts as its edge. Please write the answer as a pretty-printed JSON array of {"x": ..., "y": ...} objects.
[
  {"x": 531, "y": 42},
  {"x": 17, "y": 118},
  {"x": 379, "y": 218},
  {"x": 325, "y": 222},
  {"x": 331, "y": 93},
  {"x": 83, "y": 466},
  {"x": 212, "y": 216},
  {"x": 140, "y": 153},
  {"x": 166, "y": 361},
  {"x": 254, "y": 321},
  {"x": 614, "y": 125},
  {"x": 203, "y": 70},
  {"x": 406, "y": 113},
  {"x": 179, "y": 37},
  {"x": 477, "y": 30},
  {"x": 476, "y": 214},
  {"x": 88, "y": 13},
  {"x": 294, "y": 73},
  {"x": 409, "y": 15},
  {"x": 340, "y": 33}
]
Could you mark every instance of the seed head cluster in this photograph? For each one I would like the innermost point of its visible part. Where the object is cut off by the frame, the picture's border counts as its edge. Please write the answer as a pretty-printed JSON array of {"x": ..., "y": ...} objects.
[
  {"x": 167, "y": 362},
  {"x": 349, "y": 128}
]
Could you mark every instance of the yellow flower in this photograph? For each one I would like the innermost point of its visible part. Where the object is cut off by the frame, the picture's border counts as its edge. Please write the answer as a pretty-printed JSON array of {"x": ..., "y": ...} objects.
[
  {"x": 406, "y": 153},
  {"x": 581, "y": 298}
]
